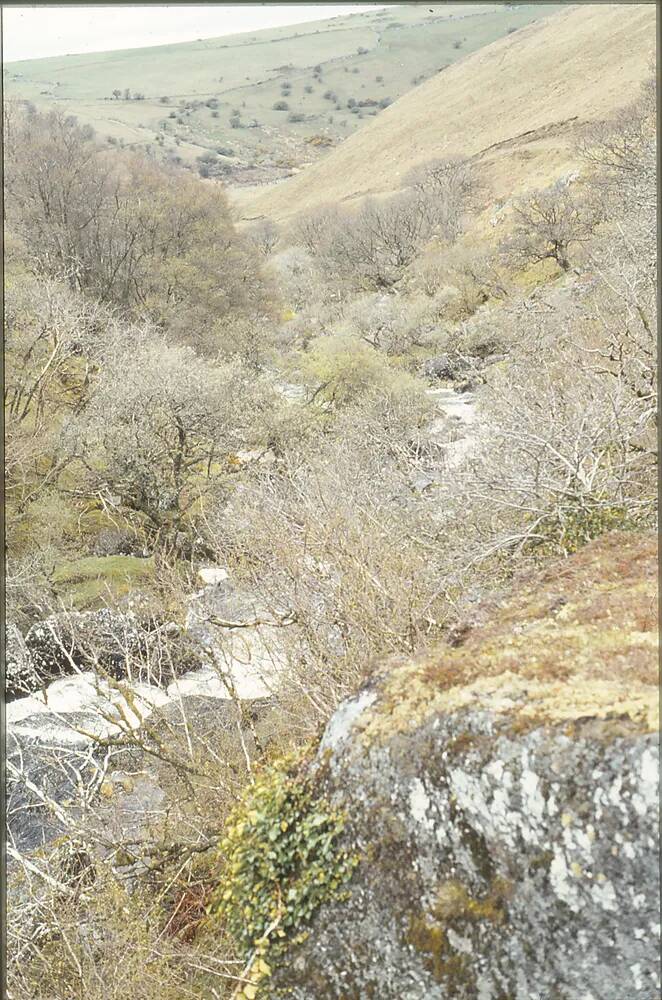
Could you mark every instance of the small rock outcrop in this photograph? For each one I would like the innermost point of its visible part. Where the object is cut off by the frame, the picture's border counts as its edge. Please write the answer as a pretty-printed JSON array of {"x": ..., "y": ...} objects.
[
  {"x": 503, "y": 798},
  {"x": 449, "y": 366},
  {"x": 119, "y": 644}
]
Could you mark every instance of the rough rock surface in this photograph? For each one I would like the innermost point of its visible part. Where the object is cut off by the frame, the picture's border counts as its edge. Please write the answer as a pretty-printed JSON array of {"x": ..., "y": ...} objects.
[
  {"x": 64, "y": 644},
  {"x": 447, "y": 366},
  {"x": 245, "y": 651},
  {"x": 503, "y": 798},
  {"x": 77, "y": 680}
]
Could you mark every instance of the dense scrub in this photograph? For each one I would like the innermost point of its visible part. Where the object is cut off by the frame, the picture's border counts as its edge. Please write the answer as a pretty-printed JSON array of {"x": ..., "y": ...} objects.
[{"x": 178, "y": 392}]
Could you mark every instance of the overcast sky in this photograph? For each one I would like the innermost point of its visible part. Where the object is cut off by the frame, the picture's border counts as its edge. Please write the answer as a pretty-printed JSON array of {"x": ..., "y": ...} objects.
[{"x": 33, "y": 32}]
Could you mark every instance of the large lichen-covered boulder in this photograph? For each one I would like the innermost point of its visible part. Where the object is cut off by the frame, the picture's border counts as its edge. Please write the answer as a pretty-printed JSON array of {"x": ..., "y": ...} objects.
[{"x": 503, "y": 797}]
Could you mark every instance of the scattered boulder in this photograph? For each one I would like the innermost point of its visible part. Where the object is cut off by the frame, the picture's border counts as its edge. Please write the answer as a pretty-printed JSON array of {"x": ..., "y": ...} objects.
[
  {"x": 210, "y": 576},
  {"x": 65, "y": 642},
  {"x": 40, "y": 777},
  {"x": 242, "y": 639},
  {"x": 20, "y": 677},
  {"x": 493, "y": 359},
  {"x": 439, "y": 367}
]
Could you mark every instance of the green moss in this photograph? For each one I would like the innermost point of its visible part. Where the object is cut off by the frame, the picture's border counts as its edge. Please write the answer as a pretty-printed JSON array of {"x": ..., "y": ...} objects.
[
  {"x": 540, "y": 862},
  {"x": 461, "y": 744},
  {"x": 554, "y": 651},
  {"x": 91, "y": 582},
  {"x": 455, "y": 903},
  {"x": 576, "y": 529}
]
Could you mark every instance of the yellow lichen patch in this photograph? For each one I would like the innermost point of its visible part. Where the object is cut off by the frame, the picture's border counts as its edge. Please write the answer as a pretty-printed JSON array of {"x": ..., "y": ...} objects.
[
  {"x": 579, "y": 641},
  {"x": 455, "y": 908},
  {"x": 455, "y": 903}
]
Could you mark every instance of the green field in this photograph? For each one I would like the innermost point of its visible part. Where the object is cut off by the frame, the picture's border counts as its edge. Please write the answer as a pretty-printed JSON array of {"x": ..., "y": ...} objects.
[{"x": 372, "y": 56}]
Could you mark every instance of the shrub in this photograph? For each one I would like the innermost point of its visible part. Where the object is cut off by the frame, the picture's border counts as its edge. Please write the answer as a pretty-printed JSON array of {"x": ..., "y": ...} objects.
[
  {"x": 343, "y": 370},
  {"x": 281, "y": 106},
  {"x": 296, "y": 116},
  {"x": 207, "y": 158},
  {"x": 374, "y": 246}
]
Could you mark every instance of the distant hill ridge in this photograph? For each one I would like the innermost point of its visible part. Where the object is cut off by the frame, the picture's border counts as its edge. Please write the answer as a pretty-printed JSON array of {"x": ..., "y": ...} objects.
[
  {"x": 580, "y": 64},
  {"x": 261, "y": 105}
]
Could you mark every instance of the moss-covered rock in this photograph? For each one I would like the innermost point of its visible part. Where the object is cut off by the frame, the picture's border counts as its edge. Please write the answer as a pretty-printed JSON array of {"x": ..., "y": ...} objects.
[{"x": 503, "y": 797}]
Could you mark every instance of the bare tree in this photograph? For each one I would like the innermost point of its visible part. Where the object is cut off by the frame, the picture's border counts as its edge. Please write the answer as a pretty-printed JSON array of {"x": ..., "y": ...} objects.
[
  {"x": 124, "y": 230},
  {"x": 549, "y": 224},
  {"x": 447, "y": 192},
  {"x": 311, "y": 230},
  {"x": 623, "y": 147},
  {"x": 265, "y": 235},
  {"x": 391, "y": 323},
  {"x": 374, "y": 246},
  {"x": 160, "y": 442},
  {"x": 565, "y": 449}
]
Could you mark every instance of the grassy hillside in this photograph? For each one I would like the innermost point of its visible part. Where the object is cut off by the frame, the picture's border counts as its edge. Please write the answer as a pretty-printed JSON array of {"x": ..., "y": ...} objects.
[
  {"x": 191, "y": 91},
  {"x": 579, "y": 64}
]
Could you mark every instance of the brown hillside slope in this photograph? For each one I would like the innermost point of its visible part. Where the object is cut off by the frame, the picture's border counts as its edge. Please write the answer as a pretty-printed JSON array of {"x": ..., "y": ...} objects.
[{"x": 515, "y": 105}]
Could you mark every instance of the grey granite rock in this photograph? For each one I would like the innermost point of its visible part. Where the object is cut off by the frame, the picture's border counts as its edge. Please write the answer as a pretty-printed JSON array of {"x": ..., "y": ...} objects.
[{"x": 502, "y": 797}]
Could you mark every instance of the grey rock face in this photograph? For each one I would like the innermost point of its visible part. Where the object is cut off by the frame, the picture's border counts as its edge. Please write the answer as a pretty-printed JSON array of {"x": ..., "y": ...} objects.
[
  {"x": 502, "y": 797},
  {"x": 447, "y": 366},
  {"x": 62, "y": 643},
  {"x": 38, "y": 772},
  {"x": 495, "y": 866}
]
